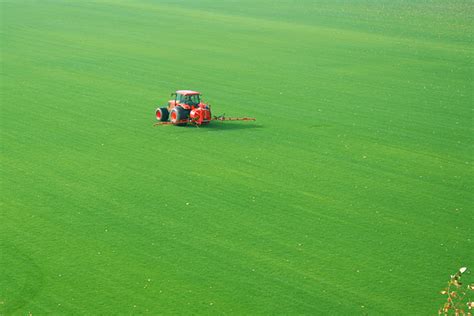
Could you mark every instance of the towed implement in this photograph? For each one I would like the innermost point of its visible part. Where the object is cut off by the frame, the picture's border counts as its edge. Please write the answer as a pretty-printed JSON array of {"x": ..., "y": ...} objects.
[{"x": 188, "y": 108}]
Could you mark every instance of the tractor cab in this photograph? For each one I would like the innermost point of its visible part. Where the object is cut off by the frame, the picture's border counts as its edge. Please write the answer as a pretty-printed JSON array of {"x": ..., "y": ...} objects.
[
  {"x": 186, "y": 98},
  {"x": 191, "y": 100}
]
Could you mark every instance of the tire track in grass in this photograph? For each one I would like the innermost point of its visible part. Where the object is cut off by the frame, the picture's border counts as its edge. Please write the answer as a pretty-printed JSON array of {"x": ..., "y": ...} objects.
[{"x": 20, "y": 285}]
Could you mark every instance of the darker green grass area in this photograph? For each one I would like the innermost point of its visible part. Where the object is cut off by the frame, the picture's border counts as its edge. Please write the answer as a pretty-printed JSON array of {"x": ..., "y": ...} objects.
[{"x": 350, "y": 194}]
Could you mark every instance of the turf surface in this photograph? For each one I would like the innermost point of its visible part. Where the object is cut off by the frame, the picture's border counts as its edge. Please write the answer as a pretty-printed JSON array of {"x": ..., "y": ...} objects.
[{"x": 352, "y": 193}]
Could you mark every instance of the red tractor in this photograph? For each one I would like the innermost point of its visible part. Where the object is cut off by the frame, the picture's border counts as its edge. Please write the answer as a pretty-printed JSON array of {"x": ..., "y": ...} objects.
[{"x": 186, "y": 107}]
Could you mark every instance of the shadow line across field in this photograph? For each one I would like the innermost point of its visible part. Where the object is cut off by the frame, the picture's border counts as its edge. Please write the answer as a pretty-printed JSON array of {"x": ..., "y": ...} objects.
[{"x": 214, "y": 126}]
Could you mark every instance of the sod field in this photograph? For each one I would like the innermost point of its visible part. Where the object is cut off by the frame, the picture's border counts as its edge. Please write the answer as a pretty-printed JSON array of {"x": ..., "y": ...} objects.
[{"x": 350, "y": 194}]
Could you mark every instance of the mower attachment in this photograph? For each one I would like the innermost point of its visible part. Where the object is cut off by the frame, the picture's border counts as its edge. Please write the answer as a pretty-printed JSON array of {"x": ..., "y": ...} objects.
[{"x": 223, "y": 118}]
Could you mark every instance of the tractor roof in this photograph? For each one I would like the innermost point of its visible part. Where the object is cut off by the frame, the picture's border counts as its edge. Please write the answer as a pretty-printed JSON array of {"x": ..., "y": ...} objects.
[{"x": 187, "y": 92}]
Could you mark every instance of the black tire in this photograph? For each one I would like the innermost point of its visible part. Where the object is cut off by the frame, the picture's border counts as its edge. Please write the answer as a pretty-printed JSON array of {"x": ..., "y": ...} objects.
[
  {"x": 162, "y": 114},
  {"x": 179, "y": 114}
]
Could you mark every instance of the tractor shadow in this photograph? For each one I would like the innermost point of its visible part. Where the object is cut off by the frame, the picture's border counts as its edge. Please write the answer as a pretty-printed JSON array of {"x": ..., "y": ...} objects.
[{"x": 228, "y": 126}]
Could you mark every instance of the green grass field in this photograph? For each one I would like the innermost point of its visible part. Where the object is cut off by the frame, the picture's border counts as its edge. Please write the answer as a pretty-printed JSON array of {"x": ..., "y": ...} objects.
[{"x": 351, "y": 194}]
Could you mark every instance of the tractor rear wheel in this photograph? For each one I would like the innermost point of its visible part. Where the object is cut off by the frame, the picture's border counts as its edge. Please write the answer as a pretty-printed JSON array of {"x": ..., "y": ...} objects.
[
  {"x": 178, "y": 115},
  {"x": 162, "y": 114}
]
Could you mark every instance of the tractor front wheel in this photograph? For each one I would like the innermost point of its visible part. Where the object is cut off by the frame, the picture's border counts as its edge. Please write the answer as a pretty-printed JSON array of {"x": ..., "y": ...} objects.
[
  {"x": 162, "y": 114},
  {"x": 179, "y": 116}
]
